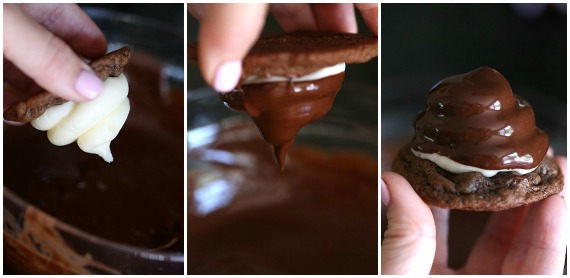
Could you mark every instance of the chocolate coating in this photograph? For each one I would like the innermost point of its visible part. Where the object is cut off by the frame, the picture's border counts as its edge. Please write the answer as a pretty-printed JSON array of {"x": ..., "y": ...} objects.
[
  {"x": 281, "y": 109},
  {"x": 476, "y": 120}
]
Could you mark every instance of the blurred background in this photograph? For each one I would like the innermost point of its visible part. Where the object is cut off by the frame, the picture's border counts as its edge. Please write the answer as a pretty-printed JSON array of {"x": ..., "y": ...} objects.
[
  {"x": 167, "y": 13},
  {"x": 166, "y": 18},
  {"x": 424, "y": 43}
]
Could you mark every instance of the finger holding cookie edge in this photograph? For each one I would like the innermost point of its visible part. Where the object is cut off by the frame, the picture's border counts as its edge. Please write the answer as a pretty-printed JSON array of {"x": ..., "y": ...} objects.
[
  {"x": 46, "y": 58},
  {"x": 109, "y": 65},
  {"x": 294, "y": 16},
  {"x": 410, "y": 240},
  {"x": 441, "y": 219},
  {"x": 562, "y": 163},
  {"x": 369, "y": 12},
  {"x": 337, "y": 17},
  {"x": 227, "y": 32},
  {"x": 540, "y": 246},
  {"x": 492, "y": 246},
  {"x": 71, "y": 24}
]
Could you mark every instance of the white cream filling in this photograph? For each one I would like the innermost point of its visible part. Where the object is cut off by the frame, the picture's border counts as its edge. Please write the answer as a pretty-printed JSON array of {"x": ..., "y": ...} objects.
[
  {"x": 93, "y": 124},
  {"x": 320, "y": 74},
  {"x": 458, "y": 168}
]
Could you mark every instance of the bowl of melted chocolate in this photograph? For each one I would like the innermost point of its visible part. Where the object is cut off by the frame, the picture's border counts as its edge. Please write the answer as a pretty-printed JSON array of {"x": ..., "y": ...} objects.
[
  {"x": 70, "y": 212},
  {"x": 317, "y": 216}
]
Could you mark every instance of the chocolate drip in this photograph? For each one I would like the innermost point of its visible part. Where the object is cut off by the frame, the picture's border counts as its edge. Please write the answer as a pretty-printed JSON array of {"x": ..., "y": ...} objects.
[
  {"x": 281, "y": 109},
  {"x": 476, "y": 120}
]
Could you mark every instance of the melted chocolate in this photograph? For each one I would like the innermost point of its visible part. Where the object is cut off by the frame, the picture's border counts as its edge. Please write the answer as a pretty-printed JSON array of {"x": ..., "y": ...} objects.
[
  {"x": 137, "y": 199},
  {"x": 475, "y": 119},
  {"x": 297, "y": 222},
  {"x": 281, "y": 109}
]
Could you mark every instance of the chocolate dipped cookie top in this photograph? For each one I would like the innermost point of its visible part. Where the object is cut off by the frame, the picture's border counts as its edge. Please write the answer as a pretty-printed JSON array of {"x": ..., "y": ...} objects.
[{"x": 476, "y": 120}]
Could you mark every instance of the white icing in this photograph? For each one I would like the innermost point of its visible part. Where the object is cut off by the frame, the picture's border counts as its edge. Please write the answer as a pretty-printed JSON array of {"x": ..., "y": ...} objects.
[
  {"x": 458, "y": 168},
  {"x": 320, "y": 74},
  {"x": 93, "y": 124}
]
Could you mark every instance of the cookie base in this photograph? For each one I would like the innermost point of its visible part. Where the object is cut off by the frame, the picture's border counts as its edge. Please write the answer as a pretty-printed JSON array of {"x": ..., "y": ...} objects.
[{"x": 473, "y": 191}]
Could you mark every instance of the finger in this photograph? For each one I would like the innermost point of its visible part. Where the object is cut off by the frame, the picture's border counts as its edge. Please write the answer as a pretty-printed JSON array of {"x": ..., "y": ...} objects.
[
  {"x": 72, "y": 25},
  {"x": 68, "y": 22},
  {"x": 335, "y": 17},
  {"x": 550, "y": 152},
  {"x": 369, "y": 12},
  {"x": 441, "y": 218},
  {"x": 197, "y": 10},
  {"x": 409, "y": 241},
  {"x": 46, "y": 58},
  {"x": 540, "y": 246},
  {"x": 227, "y": 32},
  {"x": 294, "y": 16},
  {"x": 562, "y": 163},
  {"x": 495, "y": 242}
]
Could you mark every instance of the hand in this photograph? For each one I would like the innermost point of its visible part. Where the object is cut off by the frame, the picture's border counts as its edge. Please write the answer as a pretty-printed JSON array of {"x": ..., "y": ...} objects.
[
  {"x": 41, "y": 44},
  {"x": 524, "y": 240},
  {"x": 227, "y": 31}
]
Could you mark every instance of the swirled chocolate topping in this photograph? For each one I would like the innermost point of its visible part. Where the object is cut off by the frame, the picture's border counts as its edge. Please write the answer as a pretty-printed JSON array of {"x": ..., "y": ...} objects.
[
  {"x": 281, "y": 109},
  {"x": 476, "y": 120}
]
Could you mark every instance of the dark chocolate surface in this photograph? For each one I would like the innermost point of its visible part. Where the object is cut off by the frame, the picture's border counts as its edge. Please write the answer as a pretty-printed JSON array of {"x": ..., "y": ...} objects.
[
  {"x": 475, "y": 119},
  {"x": 281, "y": 109}
]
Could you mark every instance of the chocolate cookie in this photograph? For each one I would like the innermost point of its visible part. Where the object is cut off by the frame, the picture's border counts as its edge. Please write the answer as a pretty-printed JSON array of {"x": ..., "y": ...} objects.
[
  {"x": 109, "y": 65},
  {"x": 300, "y": 53},
  {"x": 473, "y": 191}
]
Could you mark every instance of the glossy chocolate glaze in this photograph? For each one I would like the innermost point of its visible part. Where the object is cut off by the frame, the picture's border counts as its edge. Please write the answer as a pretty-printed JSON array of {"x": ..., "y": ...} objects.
[
  {"x": 139, "y": 198},
  {"x": 318, "y": 217},
  {"x": 476, "y": 120},
  {"x": 281, "y": 109}
]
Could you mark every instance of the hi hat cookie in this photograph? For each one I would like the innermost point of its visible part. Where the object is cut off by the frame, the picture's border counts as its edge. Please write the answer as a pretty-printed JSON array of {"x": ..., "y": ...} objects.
[
  {"x": 292, "y": 79},
  {"x": 477, "y": 147}
]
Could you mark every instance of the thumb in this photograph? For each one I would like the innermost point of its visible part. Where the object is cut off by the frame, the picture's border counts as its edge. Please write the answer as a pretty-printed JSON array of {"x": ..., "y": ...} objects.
[
  {"x": 227, "y": 32},
  {"x": 409, "y": 241},
  {"x": 46, "y": 59}
]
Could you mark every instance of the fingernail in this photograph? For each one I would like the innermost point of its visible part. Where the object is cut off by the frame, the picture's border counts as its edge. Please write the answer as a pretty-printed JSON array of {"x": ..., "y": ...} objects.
[
  {"x": 88, "y": 84},
  {"x": 385, "y": 193},
  {"x": 550, "y": 152},
  {"x": 227, "y": 76},
  {"x": 13, "y": 123}
]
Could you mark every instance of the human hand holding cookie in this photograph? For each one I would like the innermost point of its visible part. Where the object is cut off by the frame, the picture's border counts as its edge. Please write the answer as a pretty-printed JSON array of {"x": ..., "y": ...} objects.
[
  {"x": 228, "y": 31},
  {"x": 284, "y": 81},
  {"x": 524, "y": 240},
  {"x": 67, "y": 118},
  {"x": 476, "y": 147},
  {"x": 42, "y": 48}
]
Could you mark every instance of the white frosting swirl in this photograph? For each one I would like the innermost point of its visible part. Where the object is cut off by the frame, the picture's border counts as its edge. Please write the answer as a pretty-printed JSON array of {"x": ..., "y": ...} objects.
[
  {"x": 457, "y": 168},
  {"x": 319, "y": 74},
  {"x": 93, "y": 124}
]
